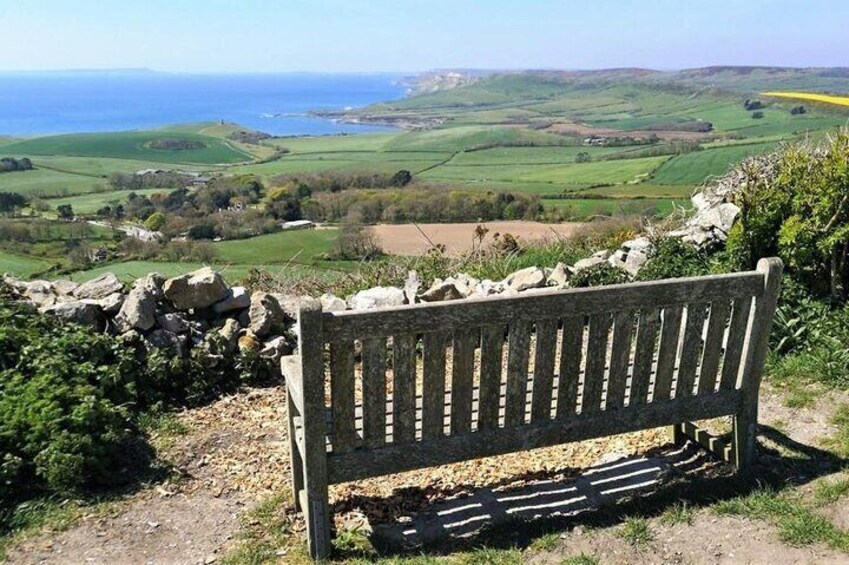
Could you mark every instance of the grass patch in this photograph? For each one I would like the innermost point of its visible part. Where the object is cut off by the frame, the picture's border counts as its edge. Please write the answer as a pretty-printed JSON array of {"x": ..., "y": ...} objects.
[
  {"x": 828, "y": 491},
  {"x": 581, "y": 559},
  {"x": 636, "y": 531},
  {"x": 839, "y": 442},
  {"x": 266, "y": 536},
  {"x": 797, "y": 524},
  {"x": 678, "y": 513},
  {"x": 546, "y": 542}
]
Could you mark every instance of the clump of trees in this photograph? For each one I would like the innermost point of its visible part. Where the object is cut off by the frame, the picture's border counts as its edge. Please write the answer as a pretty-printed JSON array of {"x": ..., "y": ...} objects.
[
  {"x": 331, "y": 181},
  {"x": 757, "y": 115},
  {"x": 11, "y": 202},
  {"x": 9, "y": 164},
  {"x": 250, "y": 137},
  {"x": 158, "y": 179},
  {"x": 797, "y": 110},
  {"x": 753, "y": 105}
]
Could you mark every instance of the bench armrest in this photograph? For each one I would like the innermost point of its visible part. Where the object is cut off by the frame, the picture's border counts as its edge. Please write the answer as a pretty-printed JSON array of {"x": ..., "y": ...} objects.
[{"x": 290, "y": 366}]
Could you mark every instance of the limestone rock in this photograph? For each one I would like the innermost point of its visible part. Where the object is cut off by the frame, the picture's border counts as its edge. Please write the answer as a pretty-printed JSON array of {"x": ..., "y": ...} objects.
[
  {"x": 138, "y": 310},
  {"x": 153, "y": 282},
  {"x": 464, "y": 283},
  {"x": 531, "y": 277},
  {"x": 332, "y": 303},
  {"x": 274, "y": 349},
  {"x": 229, "y": 334},
  {"x": 99, "y": 287},
  {"x": 266, "y": 315},
  {"x": 40, "y": 293},
  {"x": 174, "y": 323},
  {"x": 378, "y": 297},
  {"x": 78, "y": 312},
  {"x": 560, "y": 275},
  {"x": 65, "y": 288},
  {"x": 237, "y": 298},
  {"x": 487, "y": 287},
  {"x": 411, "y": 287},
  {"x": 168, "y": 341},
  {"x": 111, "y": 304},
  {"x": 199, "y": 289},
  {"x": 589, "y": 263},
  {"x": 441, "y": 290}
]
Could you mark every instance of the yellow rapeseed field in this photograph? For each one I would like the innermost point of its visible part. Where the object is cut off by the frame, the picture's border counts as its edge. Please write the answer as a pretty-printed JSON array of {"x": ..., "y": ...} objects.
[{"x": 812, "y": 96}]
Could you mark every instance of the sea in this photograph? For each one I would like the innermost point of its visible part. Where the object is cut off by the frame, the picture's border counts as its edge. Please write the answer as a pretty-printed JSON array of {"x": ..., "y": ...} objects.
[{"x": 41, "y": 103}]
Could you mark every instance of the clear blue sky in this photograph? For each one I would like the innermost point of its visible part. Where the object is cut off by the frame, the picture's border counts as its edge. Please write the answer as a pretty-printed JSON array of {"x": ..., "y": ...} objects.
[{"x": 411, "y": 35}]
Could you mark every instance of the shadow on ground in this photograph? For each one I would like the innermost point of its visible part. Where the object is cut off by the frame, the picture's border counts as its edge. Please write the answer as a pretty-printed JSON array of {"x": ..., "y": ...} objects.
[{"x": 501, "y": 516}]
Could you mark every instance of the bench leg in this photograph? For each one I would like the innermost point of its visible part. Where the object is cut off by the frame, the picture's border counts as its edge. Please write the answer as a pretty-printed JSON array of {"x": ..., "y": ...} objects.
[
  {"x": 317, "y": 515},
  {"x": 679, "y": 437},
  {"x": 744, "y": 444},
  {"x": 296, "y": 463}
]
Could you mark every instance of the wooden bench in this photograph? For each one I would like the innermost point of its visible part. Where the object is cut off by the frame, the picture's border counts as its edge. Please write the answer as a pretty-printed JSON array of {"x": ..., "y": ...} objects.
[{"x": 383, "y": 391}]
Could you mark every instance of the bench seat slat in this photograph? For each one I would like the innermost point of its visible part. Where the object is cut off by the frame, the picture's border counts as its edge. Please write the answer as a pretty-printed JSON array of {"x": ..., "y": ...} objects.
[
  {"x": 719, "y": 310},
  {"x": 433, "y": 383},
  {"x": 404, "y": 388},
  {"x": 462, "y": 379},
  {"x": 596, "y": 357},
  {"x": 571, "y": 354},
  {"x": 544, "y": 356},
  {"x": 668, "y": 352},
  {"x": 492, "y": 356},
  {"x": 374, "y": 391},
  {"x": 648, "y": 324},
  {"x": 517, "y": 371}
]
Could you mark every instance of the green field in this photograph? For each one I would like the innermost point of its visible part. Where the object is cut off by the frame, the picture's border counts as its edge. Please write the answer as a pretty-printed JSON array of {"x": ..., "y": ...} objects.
[
  {"x": 90, "y": 203},
  {"x": 300, "y": 246},
  {"x": 694, "y": 168},
  {"x": 21, "y": 265},
  {"x": 131, "y": 145}
]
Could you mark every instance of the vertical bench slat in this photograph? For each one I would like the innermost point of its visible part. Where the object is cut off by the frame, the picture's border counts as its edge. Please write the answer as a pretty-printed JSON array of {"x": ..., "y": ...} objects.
[
  {"x": 667, "y": 353},
  {"x": 620, "y": 357},
  {"x": 374, "y": 392},
  {"x": 342, "y": 395},
  {"x": 546, "y": 348},
  {"x": 433, "y": 384},
  {"x": 596, "y": 358},
  {"x": 571, "y": 353},
  {"x": 404, "y": 388},
  {"x": 719, "y": 310},
  {"x": 691, "y": 351},
  {"x": 644, "y": 355},
  {"x": 462, "y": 379},
  {"x": 492, "y": 353},
  {"x": 734, "y": 346},
  {"x": 517, "y": 372}
]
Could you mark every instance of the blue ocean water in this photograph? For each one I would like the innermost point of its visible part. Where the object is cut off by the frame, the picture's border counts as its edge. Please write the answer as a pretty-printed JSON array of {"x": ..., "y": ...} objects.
[{"x": 47, "y": 103}]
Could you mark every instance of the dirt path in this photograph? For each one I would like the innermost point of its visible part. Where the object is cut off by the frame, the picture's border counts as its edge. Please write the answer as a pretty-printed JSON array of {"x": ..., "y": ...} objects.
[
  {"x": 412, "y": 239},
  {"x": 234, "y": 455}
]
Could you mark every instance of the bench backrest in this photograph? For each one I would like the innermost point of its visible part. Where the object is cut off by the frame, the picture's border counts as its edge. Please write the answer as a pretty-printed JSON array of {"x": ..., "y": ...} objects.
[{"x": 429, "y": 384}]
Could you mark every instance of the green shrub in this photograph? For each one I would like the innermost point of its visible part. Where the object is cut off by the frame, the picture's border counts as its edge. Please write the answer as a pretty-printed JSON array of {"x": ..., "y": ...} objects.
[
  {"x": 672, "y": 258},
  {"x": 601, "y": 274},
  {"x": 796, "y": 205}
]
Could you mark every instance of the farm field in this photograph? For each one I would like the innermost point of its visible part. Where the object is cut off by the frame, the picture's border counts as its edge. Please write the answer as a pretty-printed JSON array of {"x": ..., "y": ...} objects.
[
  {"x": 617, "y": 142},
  {"x": 22, "y": 265},
  {"x": 130, "y": 145}
]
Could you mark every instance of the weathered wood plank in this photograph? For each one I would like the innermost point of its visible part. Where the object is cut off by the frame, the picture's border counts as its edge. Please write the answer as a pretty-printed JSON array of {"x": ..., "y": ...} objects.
[
  {"x": 342, "y": 395},
  {"x": 571, "y": 354},
  {"x": 394, "y": 459},
  {"x": 691, "y": 350},
  {"x": 596, "y": 357},
  {"x": 433, "y": 384},
  {"x": 719, "y": 310},
  {"x": 314, "y": 503},
  {"x": 735, "y": 343},
  {"x": 462, "y": 379},
  {"x": 745, "y": 424},
  {"x": 290, "y": 368},
  {"x": 374, "y": 392},
  {"x": 648, "y": 324},
  {"x": 620, "y": 357},
  {"x": 518, "y": 357},
  {"x": 422, "y": 318},
  {"x": 404, "y": 388},
  {"x": 546, "y": 350},
  {"x": 492, "y": 354},
  {"x": 667, "y": 353}
]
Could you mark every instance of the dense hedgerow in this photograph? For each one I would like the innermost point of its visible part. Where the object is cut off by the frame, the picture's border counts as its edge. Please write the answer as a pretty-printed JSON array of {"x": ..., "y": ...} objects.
[{"x": 70, "y": 399}]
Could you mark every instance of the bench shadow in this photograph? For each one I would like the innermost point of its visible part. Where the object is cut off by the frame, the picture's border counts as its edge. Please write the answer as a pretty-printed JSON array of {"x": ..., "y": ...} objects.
[{"x": 503, "y": 515}]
